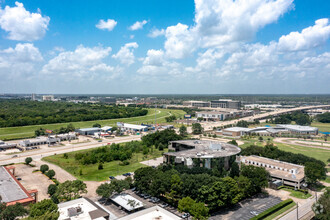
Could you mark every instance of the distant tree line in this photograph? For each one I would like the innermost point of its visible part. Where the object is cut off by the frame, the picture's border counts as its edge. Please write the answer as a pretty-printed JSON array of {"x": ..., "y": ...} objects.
[
  {"x": 298, "y": 117},
  {"x": 324, "y": 118},
  {"x": 22, "y": 112}
]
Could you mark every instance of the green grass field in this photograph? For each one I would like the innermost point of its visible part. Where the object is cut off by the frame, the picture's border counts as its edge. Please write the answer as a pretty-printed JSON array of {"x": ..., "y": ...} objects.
[
  {"x": 28, "y": 131},
  {"x": 91, "y": 172},
  {"x": 297, "y": 194}
]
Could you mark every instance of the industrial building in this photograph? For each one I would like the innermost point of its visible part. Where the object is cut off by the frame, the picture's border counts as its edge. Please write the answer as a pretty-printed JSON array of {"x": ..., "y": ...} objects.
[
  {"x": 12, "y": 191},
  {"x": 131, "y": 127},
  {"x": 288, "y": 173},
  {"x": 152, "y": 213},
  {"x": 196, "y": 104},
  {"x": 88, "y": 131},
  {"x": 201, "y": 153},
  {"x": 300, "y": 130},
  {"x": 226, "y": 103},
  {"x": 82, "y": 209},
  {"x": 51, "y": 140}
]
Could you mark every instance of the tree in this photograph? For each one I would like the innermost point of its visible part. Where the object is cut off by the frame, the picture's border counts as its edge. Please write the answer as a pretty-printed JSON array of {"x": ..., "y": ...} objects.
[
  {"x": 100, "y": 166},
  {"x": 96, "y": 125},
  {"x": 314, "y": 172},
  {"x": 257, "y": 175},
  {"x": 106, "y": 190},
  {"x": 52, "y": 189},
  {"x": 261, "y": 139},
  {"x": 114, "y": 128},
  {"x": 70, "y": 128},
  {"x": 322, "y": 207},
  {"x": 41, "y": 208},
  {"x": 70, "y": 190},
  {"x": 183, "y": 130},
  {"x": 44, "y": 168},
  {"x": 233, "y": 142},
  {"x": 323, "y": 118},
  {"x": 197, "y": 128},
  {"x": 185, "y": 204},
  {"x": 50, "y": 174},
  {"x": 234, "y": 170},
  {"x": 12, "y": 212},
  {"x": 28, "y": 160},
  {"x": 200, "y": 119},
  {"x": 242, "y": 123},
  {"x": 303, "y": 119}
]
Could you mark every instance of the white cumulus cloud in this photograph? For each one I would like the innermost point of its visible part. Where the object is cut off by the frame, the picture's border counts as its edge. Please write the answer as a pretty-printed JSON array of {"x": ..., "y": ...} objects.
[
  {"x": 156, "y": 33},
  {"x": 137, "y": 25},
  {"x": 125, "y": 55},
  {"x": 109, "y": 25},
  {"x": 21, "y": 24}
]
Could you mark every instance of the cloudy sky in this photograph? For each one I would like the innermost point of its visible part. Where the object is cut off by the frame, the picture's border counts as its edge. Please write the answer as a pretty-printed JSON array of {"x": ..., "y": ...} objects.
[{"x": 131, "y": 46}]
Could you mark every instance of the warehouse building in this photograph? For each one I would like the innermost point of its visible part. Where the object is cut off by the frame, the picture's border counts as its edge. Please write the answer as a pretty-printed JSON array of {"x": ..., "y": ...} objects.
[
  {"x": 6, "y": 146},
  {"x": 201, "y": 153},
  {"x": 226, "y": 103},
  {"x": 300, "y": 130},
  {"x": 131, "y": 127},
  {"x": 12, "y": 191},
  {"x": 38, "y": 141},
  {"x": 288, "y": 173},
  {"x": 88, "y": 131}
]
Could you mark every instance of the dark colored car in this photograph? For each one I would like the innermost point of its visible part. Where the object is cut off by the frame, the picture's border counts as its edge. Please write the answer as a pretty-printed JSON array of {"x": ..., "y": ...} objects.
[{"x": 112, "y": 177}]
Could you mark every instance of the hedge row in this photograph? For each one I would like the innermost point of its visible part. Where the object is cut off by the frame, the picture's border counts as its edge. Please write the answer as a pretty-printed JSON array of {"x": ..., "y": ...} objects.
[
  {"x": 273, "y": 209},
  {"x": 290, "y": 187}
]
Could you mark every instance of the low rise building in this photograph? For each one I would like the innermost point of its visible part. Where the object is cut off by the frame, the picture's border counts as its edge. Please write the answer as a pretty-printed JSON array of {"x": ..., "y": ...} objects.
[
  {"x": 38, "y": 141},
  {"x": 234, "y": 131},
  {"x": 12, "y": 191},
  {"x": 300, "y": 130},
  {"x": 6, "y": 146},
  {"x": 196, "y": 104},
  {"x": 288, "y": 173},
  {"x": 222, "y": 115},
  {"x": 82, "y": 209},
  {"x": 47, "y": 98},
  {"x": 127, "y": 202},
  {"x": 201, "y": 153},
  {"x": 152, "y": 213},
  {"x": 88, "y": 131},
  {"x": 132, "y": 127},
  {"x": 226, "y": 103}
]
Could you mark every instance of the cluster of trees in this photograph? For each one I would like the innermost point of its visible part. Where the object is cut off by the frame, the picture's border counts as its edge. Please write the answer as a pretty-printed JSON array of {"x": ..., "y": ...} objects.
[
  {"x": 110, "y": 153},
  {"x": 246, "y": 124},
  {"x": 324, "y": 118},
  {"x": 23, "y": 112},
  {"x": 45, "y": 170},
  {"x": 170, "y": 118},
  {"x": 62, "y": 130},
  {"x": 322, "y": 207},
  {"x": 212, "y": 191},
  {"x": 46, "y": 209},
  {"x": 298, "y": 117},
  {"x": 160, "y": 137},
  {"x": 197, "y": 128},
  {"x": 106, "y": 190},
  {"x": 69, "y": 190},
  {"x": 314, "y": 169}
]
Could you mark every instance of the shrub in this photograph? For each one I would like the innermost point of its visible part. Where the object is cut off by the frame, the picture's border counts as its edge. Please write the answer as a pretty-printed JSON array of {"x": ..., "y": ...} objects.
[
  {"x": 124, "y": 163},
  {"x": 65, "y": 156},
  {"x": 52, "y": 189},
  {"x": 28, "y": 160},
  {"x": 100, "y": 167},
  {"x": 44, "y": 168},
  {"x": 50, "y": 174},
  {"x": 273, "y": 209}
]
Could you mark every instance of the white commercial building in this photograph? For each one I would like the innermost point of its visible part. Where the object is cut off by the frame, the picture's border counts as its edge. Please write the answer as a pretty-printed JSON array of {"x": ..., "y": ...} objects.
[
  {"x": 298, "y": 129},
  {"x": 128, "y": 202},
  {"x": 132, "y": 127},
  {"x": 47, "y": 98},
  {"x": 82, "y": 209},
  {"x": 152, "y": 213}
]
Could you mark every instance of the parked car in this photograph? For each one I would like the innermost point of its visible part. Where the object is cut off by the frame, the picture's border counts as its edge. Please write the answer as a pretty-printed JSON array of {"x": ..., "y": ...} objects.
[
  {"x": 19, "y": 178},
  {"x": 146, "y": 196},
  {"x": 164, "y": 205},
  {"x": 127, "y": 174},
  {"x": 255, "y": 213},
  {"x": 112, "y": 177},
  {"x": 133, "y": 189},
  {"x": 185, "y": 215},
  {"x": 14, "y": 156}
]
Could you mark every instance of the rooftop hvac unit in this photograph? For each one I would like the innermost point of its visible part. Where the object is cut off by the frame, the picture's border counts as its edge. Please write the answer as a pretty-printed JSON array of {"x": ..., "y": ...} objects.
[{"x": 74, "y": 211}]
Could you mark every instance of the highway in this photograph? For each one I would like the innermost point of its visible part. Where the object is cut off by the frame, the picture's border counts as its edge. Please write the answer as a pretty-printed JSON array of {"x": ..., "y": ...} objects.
[
  {"x": 48, "y": 151},
  {"x": 208, "y": 126}
]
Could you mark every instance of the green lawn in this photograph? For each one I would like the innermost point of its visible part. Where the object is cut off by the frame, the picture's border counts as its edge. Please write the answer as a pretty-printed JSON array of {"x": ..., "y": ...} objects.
[
  {"x": 28, "y": 131},
  {"x": 279, "y": 212},
  {"x": 91, "y": 172},
  {"x": 297, "y": 194},
  {"x": 321, "y": 126}
]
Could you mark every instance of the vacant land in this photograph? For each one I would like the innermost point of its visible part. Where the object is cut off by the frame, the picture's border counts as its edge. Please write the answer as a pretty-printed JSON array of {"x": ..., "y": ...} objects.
[
  {"x": 91, "y": 172},
  {"x": 28, "y": 131},
  {"x": 322, "y": 126},
  {"x": 297, "y": 194}
]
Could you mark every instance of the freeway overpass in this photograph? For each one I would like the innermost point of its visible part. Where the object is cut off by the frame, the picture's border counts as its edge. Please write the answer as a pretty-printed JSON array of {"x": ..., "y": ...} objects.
[{"x": 208, "y": 126}]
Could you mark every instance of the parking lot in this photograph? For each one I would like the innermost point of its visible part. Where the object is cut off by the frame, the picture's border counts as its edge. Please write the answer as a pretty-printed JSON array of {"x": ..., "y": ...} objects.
[
  {"x": 33, "y": 180},
  {"x": 248, "y": 208}
]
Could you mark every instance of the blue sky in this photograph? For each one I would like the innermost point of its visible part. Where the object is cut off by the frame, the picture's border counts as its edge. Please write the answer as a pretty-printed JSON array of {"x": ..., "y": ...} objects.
[{"x": 202, "y": 46}]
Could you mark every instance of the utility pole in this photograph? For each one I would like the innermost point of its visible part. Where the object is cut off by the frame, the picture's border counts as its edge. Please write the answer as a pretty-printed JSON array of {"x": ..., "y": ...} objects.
[
  {"x": 297, "y": 212},
  {"x": 155, "y": 114}
]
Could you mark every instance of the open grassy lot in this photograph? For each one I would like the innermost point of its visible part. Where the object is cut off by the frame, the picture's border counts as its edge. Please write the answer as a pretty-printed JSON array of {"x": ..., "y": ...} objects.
[
  {"x": 91, "y": 172},
  {"x": 297, "y": 194},
  {"x": 322, "y": 126},
  {"x": 28, "y": 131},
  {"x": 317, "y": 153}
]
